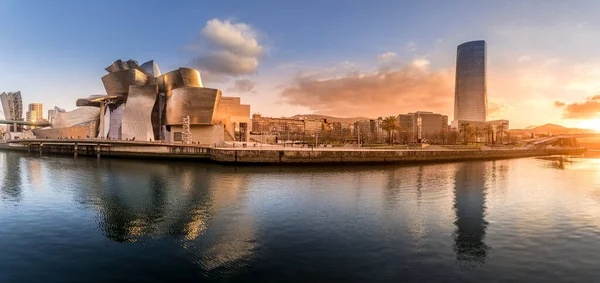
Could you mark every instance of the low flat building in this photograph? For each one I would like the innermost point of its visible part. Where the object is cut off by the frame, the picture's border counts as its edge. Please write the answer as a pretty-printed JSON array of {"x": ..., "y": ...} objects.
[
  {"x": 499, "y": 129},
  {"x": 422, "y": 125}
]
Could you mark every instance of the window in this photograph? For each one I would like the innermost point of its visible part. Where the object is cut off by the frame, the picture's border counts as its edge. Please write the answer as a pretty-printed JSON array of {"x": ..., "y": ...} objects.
[{"x": 177, "y": 136}]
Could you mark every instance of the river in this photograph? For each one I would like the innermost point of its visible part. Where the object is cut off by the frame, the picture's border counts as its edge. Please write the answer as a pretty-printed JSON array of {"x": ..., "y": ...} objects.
[{"x": 109, "y": 220}]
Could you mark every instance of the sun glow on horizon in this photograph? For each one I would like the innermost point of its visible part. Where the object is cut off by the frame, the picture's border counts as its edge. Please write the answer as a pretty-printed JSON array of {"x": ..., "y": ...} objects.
[{"x": 593, "y": 124}]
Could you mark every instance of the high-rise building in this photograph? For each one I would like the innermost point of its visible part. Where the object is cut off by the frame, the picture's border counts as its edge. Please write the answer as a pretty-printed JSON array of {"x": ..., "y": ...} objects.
[
  {"x": 12, "y": 106},
  {"x": 38, "y": 108},
  {"x": 34, "y": 113},
  {"x": 470, "y": 94}
]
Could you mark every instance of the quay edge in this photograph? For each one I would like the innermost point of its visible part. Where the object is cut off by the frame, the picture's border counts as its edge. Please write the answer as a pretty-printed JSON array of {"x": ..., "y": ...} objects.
[{"x": 268, "y": 156}]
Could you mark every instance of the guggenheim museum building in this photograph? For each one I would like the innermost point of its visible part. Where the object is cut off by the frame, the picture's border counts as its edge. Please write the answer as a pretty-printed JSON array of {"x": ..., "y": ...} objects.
[{"x": 143, "y": 104}]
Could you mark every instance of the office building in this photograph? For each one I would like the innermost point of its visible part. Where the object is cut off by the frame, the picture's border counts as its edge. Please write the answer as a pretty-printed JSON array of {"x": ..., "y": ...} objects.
[{"x": 470, "y": 94}]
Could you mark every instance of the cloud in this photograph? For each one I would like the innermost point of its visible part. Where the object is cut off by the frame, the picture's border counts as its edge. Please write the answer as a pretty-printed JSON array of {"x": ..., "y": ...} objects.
[
  {"x": 381, "y": 93},
  {"x": 498, "y": 108},
  {"x": 386, "y": 58},
  {"x": 421, "y": 63},
  {"x": 227, "y": 49},
  {"x": 242, "y": 85},
  {"x": 588, "y": 109},
  {"x": 559, "y": 103}
]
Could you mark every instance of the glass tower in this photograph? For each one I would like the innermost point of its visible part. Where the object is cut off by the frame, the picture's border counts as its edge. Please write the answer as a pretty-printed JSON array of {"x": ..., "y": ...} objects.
[{"x": 470, "y": 94}]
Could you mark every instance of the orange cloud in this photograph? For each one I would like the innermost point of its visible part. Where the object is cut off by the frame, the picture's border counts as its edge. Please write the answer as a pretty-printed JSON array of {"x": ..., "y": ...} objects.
[
  {"x": 581, "y": 110},
  {"x": 498, "y": 108},
  {"x": 382, "y": 93},
  {"x": 559, "y": 103}
]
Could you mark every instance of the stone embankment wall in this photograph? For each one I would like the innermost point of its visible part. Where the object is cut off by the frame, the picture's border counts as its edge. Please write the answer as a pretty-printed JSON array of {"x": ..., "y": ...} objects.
[
  {"x": 275, "y": 156},
  {"x": 106, "y": 149},
  {"x": 272, "y": 156}
]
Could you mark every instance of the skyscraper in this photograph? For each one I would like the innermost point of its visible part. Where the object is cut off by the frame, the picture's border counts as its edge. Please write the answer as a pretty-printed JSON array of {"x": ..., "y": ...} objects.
[
  {"x": 470, "y": 94},
  {"x": 34, "y": 113}
]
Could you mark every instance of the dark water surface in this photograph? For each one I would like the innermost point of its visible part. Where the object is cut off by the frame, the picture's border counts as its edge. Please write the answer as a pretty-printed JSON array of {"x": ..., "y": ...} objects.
[{"x": 113, "y": 220}]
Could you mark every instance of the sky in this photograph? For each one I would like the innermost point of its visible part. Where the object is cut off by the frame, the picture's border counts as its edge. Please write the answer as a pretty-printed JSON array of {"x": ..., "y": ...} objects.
[{"x": 342, "y": 58}]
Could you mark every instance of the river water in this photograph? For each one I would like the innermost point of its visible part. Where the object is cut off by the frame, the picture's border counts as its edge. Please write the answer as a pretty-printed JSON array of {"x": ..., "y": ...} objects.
[{"x": 113, "y": 220}]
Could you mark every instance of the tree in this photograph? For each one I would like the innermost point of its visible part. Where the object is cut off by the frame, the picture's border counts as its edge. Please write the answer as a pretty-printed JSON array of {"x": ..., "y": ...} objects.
[
  {"x": 390, "y": 124},
  {"x": 465, "y": 129},
  {"x": 478, "y": 132},
  {"x": 452, "y": 137},
  {"x": 501, "y": 130},
  {"x": 489, "y": 131}
]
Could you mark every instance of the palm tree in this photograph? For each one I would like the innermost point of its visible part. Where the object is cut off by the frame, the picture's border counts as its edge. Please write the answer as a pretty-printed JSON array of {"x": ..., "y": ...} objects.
[
  {"x": 465, "y": 129},
  {"x": 390, "y": 124},
  {"x": 501, "y": 130},
  {"x": 489, "y": 130}
]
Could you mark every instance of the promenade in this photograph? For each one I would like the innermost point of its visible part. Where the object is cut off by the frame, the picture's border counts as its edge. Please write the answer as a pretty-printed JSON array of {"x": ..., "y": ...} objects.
[{"x": 273, "y": 154}]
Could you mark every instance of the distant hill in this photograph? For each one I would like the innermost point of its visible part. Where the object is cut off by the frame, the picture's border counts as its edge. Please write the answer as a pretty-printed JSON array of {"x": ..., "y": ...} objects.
[
  {"x": 554, "y": 129},
  {"x": 331, "y": 118}
]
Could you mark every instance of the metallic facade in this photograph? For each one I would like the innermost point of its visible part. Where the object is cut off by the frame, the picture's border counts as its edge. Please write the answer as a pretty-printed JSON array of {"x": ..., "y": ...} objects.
[
  {"x": 182, "y": 77},
  {"x": 151, "y": 68},
  {"x": 197, "y": 102},
  {"x": 78, "y": 117},
  {"x": 470, "y": 95},
  {"x": 115, "y": 120},
  {"x": 142, "y": 104},
  {"x": 137, "y": 120},
  {"x": 117, "y": 83}
]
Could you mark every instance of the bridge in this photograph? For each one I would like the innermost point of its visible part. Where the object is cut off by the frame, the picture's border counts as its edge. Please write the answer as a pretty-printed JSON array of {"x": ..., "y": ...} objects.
[
  {"x": 552, "y": 139},
  {"x": 34, "y": 124}
]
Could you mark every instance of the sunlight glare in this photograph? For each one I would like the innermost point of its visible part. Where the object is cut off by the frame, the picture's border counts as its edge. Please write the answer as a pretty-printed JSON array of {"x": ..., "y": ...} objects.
[{"x": 593, "y": 124}]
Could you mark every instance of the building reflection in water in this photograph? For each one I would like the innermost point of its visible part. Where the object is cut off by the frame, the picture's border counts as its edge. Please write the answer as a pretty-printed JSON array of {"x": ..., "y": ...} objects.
[
  {"x": 10, "y": 173},
  {"x": 182, "y": 201},
  {"x": 469, "y": 205}
]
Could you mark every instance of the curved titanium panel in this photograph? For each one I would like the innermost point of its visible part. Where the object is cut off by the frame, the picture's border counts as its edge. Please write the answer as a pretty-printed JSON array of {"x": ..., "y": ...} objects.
[
  {"x": 151, "y": 68},
  {"x": 116, "y": 120},
  {"x": 117, "y": 83},
  {"x": 137, "y": 122},
  {"x": 182, "y": 77},
  {"x": 78, "y": 116},
  {"x": 470, "y": 95},
  {"x": 94, "y": 100},
  {"x": 197, "y": 102}
]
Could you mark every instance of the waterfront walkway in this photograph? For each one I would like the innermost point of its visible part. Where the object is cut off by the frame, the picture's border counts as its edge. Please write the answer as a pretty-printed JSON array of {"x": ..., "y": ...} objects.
[{"x": 272, "y": 154}]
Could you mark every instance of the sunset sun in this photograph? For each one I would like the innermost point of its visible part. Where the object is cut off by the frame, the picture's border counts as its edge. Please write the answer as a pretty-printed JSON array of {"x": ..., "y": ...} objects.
[{"x": 593, "y": 124}]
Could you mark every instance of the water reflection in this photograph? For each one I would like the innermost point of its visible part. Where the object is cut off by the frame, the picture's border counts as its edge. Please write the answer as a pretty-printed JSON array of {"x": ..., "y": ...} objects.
[
  {"x": 154, "y": 201},
  {"x": 469, "y": 205},
  {"x": 11, "y": 176}
]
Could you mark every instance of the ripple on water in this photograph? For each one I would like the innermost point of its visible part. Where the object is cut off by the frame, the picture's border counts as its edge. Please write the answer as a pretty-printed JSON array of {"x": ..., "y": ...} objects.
[{"x": 520, "y": 220}]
